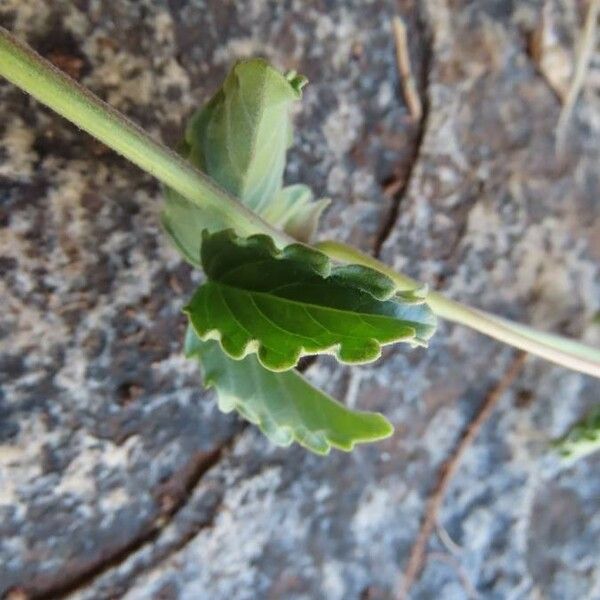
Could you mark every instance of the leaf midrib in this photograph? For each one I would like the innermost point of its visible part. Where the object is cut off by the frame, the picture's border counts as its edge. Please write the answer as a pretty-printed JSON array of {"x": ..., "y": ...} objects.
[
  {"x": 244, "y": 173},
  {"x": 304, "y": 305}
]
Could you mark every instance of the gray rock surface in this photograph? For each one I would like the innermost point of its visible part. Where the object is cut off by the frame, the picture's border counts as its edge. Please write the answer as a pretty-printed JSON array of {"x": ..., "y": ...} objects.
[{"x": 118, "y": 476}]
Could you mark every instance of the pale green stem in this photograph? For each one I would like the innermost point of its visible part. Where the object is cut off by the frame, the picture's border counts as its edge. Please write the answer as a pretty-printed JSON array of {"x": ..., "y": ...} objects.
[
  {"x": 562, "y": 351},
  {"x": 32, "y": 73},
  {"x": 29, "y": 71}
]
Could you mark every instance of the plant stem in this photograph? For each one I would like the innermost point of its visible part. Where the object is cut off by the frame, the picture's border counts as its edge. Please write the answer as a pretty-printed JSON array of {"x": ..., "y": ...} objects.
[
  {"x": 35, "y": 75},
  {"x": 42, "y": 80},
  {"x": 562, "y": 351}
]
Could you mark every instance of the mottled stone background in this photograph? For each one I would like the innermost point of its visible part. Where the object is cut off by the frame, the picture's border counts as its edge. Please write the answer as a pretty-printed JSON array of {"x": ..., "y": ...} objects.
[{"x": 118, "y": 476}]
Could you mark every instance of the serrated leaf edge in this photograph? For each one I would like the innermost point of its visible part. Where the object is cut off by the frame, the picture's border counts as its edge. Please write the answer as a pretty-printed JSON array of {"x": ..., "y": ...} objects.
[{"x": 285, "y": 435}]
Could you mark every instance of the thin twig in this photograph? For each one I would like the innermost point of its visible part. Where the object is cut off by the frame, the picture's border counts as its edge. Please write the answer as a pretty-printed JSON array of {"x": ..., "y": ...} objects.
[
  {"x": 396, "y": 188},
  {"x": 450, "y": 545},
  {"x": 417, "y": 556},
  {"x": 462, "y": 575},
  {"x": 584, "y": 53},
  {"x": 409, "y": 85}
]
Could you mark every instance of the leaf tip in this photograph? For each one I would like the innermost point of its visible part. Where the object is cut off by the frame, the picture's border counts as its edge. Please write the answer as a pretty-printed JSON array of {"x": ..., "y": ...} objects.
[{"x": 296, "y": 80}]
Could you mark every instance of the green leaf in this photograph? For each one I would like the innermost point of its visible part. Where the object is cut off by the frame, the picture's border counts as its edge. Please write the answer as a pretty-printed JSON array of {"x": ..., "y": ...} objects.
[
  {"x": 240, "y": 138},
  {"x": 285, "y": 406},
  {"x": 295, "y": 211},
  {"x": 184, "y": 223},
  {"x": 283, "y": 304},
  {"x": 583, "y": 439}
]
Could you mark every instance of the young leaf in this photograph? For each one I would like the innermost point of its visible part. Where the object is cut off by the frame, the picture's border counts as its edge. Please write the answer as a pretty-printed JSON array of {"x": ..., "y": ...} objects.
[
  {"x": 283, "y": 304},
  {"x": 295, "y": 211},
  {"x": 184, "y": 222},
  {"x": 240, "y": 139},
  {"x": 241, "y": 136},
  {"x": 284, "y": 405},
  {"x": 583, "y": 439}
]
